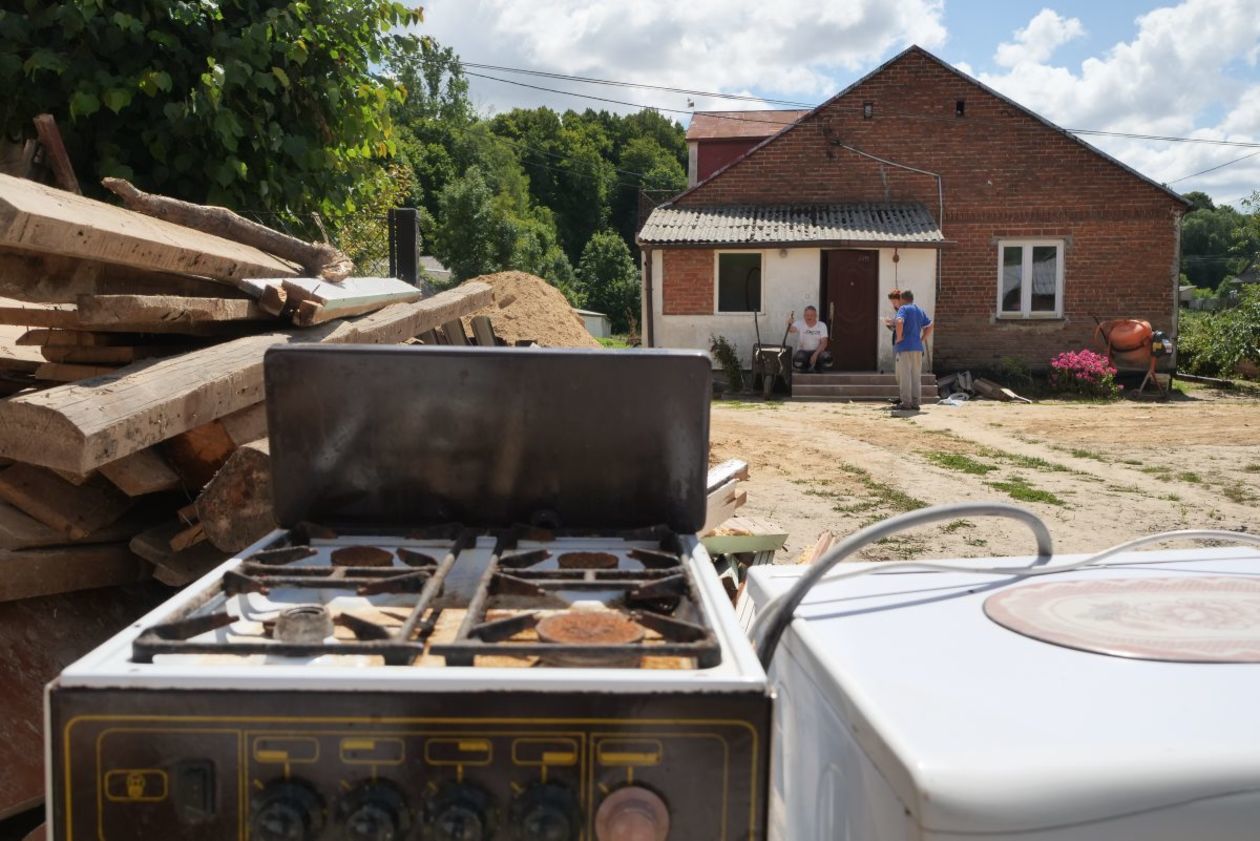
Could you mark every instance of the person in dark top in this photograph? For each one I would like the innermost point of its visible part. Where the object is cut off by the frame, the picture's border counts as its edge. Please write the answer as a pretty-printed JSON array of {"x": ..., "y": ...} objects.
[{"x": 913, "y": 326}]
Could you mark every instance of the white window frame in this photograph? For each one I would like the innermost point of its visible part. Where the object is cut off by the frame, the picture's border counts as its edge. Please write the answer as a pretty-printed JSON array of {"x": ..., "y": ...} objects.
[
  {"x": 1026, "y": 286},
  {"x": 717, "y": 280}
]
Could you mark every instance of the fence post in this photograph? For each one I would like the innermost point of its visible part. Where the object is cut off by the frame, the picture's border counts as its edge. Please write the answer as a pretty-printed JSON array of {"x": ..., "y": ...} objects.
[{"x": 404, "y": 244}]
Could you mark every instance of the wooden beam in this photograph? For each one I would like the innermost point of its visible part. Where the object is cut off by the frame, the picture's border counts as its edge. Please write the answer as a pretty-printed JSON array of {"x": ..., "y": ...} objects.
[
  {"x": 75, "y": 510},
  {"x": 483, "y": 331},
  {"x": 56, "y": 278},
  {"x": 55, "y": 153},
  {"x": 80, "y": 426},
  {"x": 106, "y": 355},
  {"x": 246, "y": 425},
  {"x": 19, "y": 530},
  {"x": 26, "y": 573},
  {"x": 57, "y": 372},
  {"x": 318, "y": 301},
  {"x": 722, "y": 473},
  {"x": 453, "y": 330},
  {"x": 142, "y": 472},
  {"x": 98, "y": 310},
  {"x": 175, "y": 568},
  {"x": 235, "y": 507},
  {"x": 42, "y": 219}
]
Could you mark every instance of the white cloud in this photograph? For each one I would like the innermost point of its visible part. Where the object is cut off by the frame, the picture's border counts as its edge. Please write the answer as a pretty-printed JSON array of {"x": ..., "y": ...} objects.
[
  {"x": 1182, "y": 64},
  {"x": 794, "y": 49},
  {"x": 1037, "y": 41}
]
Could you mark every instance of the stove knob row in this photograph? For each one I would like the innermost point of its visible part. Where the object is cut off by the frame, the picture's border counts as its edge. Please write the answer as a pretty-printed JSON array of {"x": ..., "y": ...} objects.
[
  {"x": 632, "y": 813},
  {"x": 461, "y": 813},
  {"x": 546, "y": 813},
  {"x": 373, "y": 812}
]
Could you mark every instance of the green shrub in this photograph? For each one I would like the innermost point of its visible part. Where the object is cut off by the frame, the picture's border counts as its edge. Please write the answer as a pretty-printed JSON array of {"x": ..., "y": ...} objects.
[
  {"x": 728, "y": 357},
  {"x": 1214, "y": 344}
]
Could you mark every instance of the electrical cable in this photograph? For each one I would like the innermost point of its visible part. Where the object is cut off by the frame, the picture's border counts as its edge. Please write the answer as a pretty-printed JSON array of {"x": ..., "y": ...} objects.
[
  {"x": 768, "y": 628},
  {"x": 1213, "y": 168}
]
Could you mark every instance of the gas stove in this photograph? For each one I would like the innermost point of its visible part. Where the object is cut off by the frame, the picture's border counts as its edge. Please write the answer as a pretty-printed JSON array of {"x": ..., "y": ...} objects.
[{"x": 470, "y": 625}]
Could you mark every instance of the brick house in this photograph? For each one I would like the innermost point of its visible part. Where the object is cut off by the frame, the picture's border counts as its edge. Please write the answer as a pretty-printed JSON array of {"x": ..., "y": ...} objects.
[{"x": 1012, "y": 233}]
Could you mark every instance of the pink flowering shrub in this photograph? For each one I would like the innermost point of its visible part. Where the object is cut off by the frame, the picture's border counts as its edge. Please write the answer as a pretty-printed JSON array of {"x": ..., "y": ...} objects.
[{"x": 1083, "y": 372}]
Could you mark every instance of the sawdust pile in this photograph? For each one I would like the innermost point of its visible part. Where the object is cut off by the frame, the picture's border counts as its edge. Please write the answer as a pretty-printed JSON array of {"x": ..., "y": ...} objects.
[{"x": 529, "y": 308}]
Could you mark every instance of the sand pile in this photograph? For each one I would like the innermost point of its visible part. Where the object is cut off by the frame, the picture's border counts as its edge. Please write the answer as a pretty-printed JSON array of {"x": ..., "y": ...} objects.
[{"x": 529, "y": 308}]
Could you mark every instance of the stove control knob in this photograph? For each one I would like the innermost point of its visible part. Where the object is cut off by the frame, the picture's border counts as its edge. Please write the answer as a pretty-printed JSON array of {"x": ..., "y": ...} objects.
[
  {"x": 632, "y": 813},
  {"x": 286, "y": 810},
  {"x": 461, "y": 813},
  {"x": 546, "y": 813},
  {"x": 373, "y": 812}
]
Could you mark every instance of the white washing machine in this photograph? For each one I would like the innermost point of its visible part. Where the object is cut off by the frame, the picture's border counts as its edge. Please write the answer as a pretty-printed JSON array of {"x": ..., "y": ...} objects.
[{"x": 1117, "y": 703}]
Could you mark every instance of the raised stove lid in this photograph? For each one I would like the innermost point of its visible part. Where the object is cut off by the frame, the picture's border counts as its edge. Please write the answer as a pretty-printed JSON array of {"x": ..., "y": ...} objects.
[
  {"x": 488, "y": 437},
  {"x": 1190, "y": 620}
]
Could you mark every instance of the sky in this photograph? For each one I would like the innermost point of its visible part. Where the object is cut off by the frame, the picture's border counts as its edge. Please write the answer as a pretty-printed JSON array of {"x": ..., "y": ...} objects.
[{"x": 1187, "y": 69}]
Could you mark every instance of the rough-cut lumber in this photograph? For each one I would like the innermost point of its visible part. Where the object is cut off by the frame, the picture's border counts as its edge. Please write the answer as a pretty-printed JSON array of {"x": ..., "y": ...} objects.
[
  {"x": 235, "y": 507},
  {"x": 42, "y": 219},
  {"x": 80, "y": 426},
  {"x": 26, "y": 573},
  {"x": 721, "y": 504},
  {"x": 64, "y": 318},
  {"x": 245, "y": 425},
  {"x": 318, "y": 300},
  {"x": 96, "y": 310},
  {"x": 142, "y": 472},
  {"x": 31, "y": 276},
  {"x": 483, "y": 331},
  {"x": 55, "y": 153},
  {"x": 188, "y": 538},
  {"x": 57, "y": 372},
  {"x": 23, "y": 314},
  {"x": 317, "y": 258},
  {"x": 745, "y": 534},
  {"x": 722, "y": 473},
  {"x": 75, "y": 510},
  {"x": 19, "y": 530},
  {"x": 273, "y": 300},
  {"x": 196, "y": 455},
  {"x": 105, "y": 355},
  {"x": 171, "y": 567},
  {"x": 454, "y": 333}
]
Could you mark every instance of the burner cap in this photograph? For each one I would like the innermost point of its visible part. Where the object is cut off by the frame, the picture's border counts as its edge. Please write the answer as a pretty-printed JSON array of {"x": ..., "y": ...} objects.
[
  {"x": 1201, "y": 619},
  {"x": 587, "y": 560},
  {"x": 590, "y": 628},
  {"x": 303, "y": 624},
  {"x": 362, "y": 556}
]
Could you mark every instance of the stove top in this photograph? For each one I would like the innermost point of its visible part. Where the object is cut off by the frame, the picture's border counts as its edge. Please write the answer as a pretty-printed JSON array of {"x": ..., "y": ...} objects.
[{"x": 310, "y": 604}]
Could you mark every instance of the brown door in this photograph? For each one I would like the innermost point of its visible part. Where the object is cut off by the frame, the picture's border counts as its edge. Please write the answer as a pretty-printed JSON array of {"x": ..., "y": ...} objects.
[{"x": 851, "y": 307}]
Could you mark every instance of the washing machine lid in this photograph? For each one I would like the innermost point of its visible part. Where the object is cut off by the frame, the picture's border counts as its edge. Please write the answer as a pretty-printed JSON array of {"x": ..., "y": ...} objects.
[{"x": 980, "y": 729}]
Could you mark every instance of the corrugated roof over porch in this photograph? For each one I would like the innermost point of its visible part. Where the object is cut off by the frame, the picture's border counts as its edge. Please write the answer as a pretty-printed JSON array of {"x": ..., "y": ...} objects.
[{"x": 850, "y": 223}]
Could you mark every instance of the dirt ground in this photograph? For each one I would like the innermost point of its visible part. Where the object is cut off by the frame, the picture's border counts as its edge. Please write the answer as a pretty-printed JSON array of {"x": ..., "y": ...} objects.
[{"x": 1097, "y": 473}]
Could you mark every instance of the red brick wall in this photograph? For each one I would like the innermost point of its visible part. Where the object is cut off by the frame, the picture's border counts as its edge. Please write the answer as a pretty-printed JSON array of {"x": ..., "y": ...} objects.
[
  {"x": 1005, "y": 175},
  {"x": 712, "y": 155},
  {"x": 687, "y": 287}
]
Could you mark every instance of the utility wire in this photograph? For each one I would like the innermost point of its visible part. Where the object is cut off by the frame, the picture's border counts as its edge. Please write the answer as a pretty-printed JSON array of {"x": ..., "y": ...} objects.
[{"x": 1215, "y": 168}]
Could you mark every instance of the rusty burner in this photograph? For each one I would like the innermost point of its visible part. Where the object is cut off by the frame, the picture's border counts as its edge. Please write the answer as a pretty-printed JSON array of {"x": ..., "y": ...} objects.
[
  {"x": 362, "y": 556},
  {"x": 587, "y": 560},
  {"x": 303, "y": 624},
  {"x": 594, "y": 628}
]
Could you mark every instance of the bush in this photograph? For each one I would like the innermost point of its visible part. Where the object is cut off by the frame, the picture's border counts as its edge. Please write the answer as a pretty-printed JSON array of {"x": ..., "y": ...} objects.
[
  {"x": 1083, "y": 372},
  {"x": 728, "y": 357},
  {"x": 1216, "y": 344}
]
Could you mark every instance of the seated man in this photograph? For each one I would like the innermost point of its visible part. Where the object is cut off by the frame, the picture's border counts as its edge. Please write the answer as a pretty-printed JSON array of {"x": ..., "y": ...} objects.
[{"x": 811, "y": 344}]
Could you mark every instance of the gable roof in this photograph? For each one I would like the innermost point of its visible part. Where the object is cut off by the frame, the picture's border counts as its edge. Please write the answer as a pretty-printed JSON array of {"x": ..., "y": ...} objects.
[
  {"x": 740, "y": 125},
  {"x": 915, "y": 49},
  {"x": 866, "y": 223}
]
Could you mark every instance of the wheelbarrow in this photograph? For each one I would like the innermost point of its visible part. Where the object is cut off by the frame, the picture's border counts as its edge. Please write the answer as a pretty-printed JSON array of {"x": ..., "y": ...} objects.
[{"x": 771, "y": 363}]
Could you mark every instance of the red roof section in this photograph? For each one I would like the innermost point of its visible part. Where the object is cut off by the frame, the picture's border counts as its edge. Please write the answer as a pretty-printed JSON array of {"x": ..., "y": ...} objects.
[{"x": 730, "y": 125}]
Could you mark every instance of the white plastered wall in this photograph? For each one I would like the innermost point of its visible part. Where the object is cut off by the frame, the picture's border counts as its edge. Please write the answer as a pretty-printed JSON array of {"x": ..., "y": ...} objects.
[{"x": 790, "y": 281}]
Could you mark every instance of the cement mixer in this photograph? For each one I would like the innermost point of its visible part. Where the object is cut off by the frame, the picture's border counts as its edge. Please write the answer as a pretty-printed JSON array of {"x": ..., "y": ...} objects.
[{"x": 1133, "y": 342}]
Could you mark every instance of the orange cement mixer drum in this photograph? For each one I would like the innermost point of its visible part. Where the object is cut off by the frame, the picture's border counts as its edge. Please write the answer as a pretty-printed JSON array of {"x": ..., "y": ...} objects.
[{"x": 1125, "y": 335}]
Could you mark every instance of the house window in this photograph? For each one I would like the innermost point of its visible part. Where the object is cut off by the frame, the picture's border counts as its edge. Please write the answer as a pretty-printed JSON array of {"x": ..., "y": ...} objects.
[
  {"x": 1030, "y": 278},
  {"x": 739, "y": 281}
]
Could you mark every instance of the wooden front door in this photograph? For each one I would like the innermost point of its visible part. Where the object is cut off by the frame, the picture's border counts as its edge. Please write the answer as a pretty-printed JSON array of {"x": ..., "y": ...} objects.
[{"x": 851, "y": 307}]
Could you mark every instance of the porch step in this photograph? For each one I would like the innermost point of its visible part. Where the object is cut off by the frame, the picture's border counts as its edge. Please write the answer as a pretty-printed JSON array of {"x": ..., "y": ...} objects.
[{"x": 855, "y": 387}]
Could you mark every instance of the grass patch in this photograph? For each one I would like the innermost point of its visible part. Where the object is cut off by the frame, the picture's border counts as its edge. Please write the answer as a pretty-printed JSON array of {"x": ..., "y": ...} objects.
[
  {"x": 740, "y": 403},
  {"x": 1254, "y": 467},
  {"x": 1018, "y": 488},
  {"x": 1238, "y": 492},
  {"x": 1190, "y": 476},
  {"x": 1091, "y": 454},
  {"x": 879, "y": 495},
  {"x": 613, "y": 342},
  {"x": 1034, "y": 463},
  {"x": 954, "y": 525},
  {"x": 959, "y": 462}
]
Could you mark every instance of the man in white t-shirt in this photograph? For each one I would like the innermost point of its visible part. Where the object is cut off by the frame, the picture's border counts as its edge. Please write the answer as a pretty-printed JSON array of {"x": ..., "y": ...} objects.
[{"x": 811, "y": 342}]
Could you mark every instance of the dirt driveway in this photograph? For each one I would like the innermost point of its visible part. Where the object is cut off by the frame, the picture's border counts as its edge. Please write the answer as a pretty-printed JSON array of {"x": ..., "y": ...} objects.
[{"x": 1097, "y": 473}]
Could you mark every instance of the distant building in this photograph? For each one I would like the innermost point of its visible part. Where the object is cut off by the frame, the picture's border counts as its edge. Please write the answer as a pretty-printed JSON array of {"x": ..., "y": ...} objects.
[
  {"x": 440, "y": 274},
  {"x": 597, "y": 324},
  {"x": 716, "y": 138}
]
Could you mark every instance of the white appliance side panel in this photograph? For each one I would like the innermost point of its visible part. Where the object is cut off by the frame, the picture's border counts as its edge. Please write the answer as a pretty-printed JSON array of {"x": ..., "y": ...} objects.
[
  {"x": 1231, "y": 818},
  {"x": 823, "y": 785}
]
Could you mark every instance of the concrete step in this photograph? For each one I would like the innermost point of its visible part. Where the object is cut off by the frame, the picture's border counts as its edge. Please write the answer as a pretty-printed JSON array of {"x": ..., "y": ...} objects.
[
  {"x": 880, "y": 393},
  {"x": 929, "y": 380}
]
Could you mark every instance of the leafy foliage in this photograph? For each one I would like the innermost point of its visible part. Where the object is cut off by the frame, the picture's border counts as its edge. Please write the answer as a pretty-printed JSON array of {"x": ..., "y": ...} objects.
[
  {"x": 269, "y": 105},
  {"x": 1085, "y": 373},
  {"x": 727, "y": 356},
  {"x": 608, "y": 279},
  {"x": 1217, "y": 343},
  {"x": 1218, "y": 242}
]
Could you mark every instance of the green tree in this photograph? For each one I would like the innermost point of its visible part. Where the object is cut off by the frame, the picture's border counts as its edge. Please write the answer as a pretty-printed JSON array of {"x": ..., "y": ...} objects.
[
  {"x": 272, "y": 105},
  {"x": 645, "y": 166},
  {"x": 1215, "y": 243},
  {"x": 608, "y": 279}
]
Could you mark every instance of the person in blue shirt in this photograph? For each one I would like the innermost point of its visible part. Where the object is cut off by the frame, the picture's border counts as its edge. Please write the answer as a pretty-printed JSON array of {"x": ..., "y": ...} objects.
[{"x": 913, "y": 326}]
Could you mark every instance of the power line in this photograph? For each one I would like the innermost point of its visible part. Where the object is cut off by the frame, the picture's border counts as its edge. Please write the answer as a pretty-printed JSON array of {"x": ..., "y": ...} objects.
[
  {"x": 1214, "y": 168},
  {"x": 1167, "y": 138}
]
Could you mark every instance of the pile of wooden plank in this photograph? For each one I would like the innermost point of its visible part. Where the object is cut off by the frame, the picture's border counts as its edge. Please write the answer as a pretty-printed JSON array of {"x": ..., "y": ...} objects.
[{"x": 133, "y": 436}]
